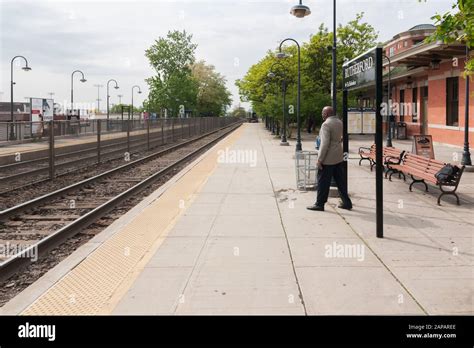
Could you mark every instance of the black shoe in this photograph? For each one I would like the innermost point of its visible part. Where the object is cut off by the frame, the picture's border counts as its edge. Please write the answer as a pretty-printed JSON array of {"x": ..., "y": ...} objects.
[
  {"x": 315, "y": 207},
  {"x": 343, "y": 206}
]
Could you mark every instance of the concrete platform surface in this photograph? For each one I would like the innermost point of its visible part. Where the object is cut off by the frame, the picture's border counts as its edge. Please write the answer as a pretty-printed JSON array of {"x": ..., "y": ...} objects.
[
  {"x": 244, "y": 243},
  {"x": 259, "y": 250}
]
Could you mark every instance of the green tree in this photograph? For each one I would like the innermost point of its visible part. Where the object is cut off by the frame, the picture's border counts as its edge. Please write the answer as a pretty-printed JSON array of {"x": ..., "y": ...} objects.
[
  {"x": 262, "y": 90},
  {"x": 213, "y": 96},
  {"x": 172, "y": 88},
  {"x": 457, "y": 27},
  {"x": 355, "y": 37},
  {"x": 239, "y": 112},
  {"x": 316, "y": 65}
]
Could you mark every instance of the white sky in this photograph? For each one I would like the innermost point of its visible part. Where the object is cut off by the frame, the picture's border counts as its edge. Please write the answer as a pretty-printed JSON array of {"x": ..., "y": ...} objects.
[{"x": 107, "y": 39}]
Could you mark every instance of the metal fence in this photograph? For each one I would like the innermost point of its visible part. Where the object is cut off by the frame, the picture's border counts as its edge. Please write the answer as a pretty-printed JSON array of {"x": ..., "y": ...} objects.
[
  {"x": 95, "y": 141},
  {"x": 21, "y": 131}
]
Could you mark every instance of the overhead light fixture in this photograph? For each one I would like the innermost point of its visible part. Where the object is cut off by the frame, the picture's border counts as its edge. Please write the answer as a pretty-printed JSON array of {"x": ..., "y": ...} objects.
[{"x": 300, "y": 10}]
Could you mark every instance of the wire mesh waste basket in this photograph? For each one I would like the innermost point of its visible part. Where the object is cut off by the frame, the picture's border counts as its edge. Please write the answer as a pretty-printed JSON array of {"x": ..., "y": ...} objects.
[{"x": 306, "y": 170}]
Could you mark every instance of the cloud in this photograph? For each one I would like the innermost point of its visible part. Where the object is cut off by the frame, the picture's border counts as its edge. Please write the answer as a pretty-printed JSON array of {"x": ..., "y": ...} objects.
[{"x": 108, "y": 38}]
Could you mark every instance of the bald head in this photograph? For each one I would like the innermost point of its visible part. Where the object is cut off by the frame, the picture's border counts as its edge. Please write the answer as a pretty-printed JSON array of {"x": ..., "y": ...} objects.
[{"x": 327, "y": 112}]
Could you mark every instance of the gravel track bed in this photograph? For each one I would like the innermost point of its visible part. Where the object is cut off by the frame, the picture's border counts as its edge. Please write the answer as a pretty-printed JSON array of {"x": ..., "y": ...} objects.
[{"x": 17, "y": 283}]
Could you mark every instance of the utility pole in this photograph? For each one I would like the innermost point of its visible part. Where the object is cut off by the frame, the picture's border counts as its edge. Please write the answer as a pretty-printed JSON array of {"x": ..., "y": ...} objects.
[
  {"x": 98, "y": 96},
  {"x": 120, "y": 98}
]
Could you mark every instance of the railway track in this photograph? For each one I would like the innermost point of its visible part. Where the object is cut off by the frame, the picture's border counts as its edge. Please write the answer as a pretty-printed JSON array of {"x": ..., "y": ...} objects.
[
  {"x": 34, "y": 227},
  {"x": 13, "y": 175}
]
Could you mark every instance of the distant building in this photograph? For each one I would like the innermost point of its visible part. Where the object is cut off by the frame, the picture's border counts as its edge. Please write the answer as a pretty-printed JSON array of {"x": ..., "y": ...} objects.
[
  {"x": 427, "y": 86},
  {"x": 21, "y": 111}
]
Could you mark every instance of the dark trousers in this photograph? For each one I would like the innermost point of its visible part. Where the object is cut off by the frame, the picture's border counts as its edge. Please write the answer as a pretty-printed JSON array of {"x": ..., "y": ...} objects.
[{"x": 325, "y": 175}]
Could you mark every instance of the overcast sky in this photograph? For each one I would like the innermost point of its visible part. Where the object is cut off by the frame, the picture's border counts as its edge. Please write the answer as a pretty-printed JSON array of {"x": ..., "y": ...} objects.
[{"x": 107, "y": 39}]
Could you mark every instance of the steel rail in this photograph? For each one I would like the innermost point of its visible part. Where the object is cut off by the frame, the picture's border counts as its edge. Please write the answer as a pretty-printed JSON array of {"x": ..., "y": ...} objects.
[
  {"x": 32, "y": 203},
  {"x": 16, "y": 262}
]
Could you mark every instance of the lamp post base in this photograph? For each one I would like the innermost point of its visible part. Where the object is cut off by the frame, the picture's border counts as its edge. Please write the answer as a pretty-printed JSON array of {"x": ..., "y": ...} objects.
[
  {"x": 466, "y": 158},
  {"x": 12, "y": 135}
]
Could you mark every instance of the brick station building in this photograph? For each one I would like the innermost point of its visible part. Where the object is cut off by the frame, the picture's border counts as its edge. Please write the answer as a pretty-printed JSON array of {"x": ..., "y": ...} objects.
[{"x": 428, "y": 88}]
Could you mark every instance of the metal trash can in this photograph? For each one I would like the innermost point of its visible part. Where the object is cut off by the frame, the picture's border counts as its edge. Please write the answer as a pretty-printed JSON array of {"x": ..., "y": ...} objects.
[
  {"x": 306, "y": 170},
  {"x": 401, "y": 130}
]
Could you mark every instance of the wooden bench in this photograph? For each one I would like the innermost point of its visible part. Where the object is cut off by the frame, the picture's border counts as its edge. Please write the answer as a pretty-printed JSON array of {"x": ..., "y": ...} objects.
[
  {"x": 423, "y": 170},
  {"x": 389, "y": 153}
]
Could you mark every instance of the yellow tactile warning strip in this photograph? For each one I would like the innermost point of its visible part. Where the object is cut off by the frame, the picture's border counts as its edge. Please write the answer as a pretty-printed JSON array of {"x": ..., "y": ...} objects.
[{"x": 97, "y": 284}]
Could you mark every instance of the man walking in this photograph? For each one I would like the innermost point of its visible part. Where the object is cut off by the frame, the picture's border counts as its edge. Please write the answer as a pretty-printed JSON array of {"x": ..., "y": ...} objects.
[{"x": 331, "y": 161}]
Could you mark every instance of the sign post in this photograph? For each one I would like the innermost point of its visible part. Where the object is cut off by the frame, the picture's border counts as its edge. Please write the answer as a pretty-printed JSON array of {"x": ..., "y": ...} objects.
[
  {"x": 378, "y": 141},
  {"x": 359, "y": 72}
]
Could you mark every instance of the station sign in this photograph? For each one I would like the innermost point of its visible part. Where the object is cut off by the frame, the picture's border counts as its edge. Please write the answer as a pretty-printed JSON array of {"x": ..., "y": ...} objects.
[
  {"x": 359, "y": 71},
  {"x": 423, "y": 145},
  {"x": 41, "y": 109}
]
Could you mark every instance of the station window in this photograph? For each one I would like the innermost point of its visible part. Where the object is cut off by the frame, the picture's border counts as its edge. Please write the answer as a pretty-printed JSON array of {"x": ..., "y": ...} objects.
[
  {"x": 405, "y": 43},
  {"x": 452, "y": 101},
  {"x": 392, "y": 51},
  {"x": 414, "y": 99},
  {"x": 402, "y": 105}
]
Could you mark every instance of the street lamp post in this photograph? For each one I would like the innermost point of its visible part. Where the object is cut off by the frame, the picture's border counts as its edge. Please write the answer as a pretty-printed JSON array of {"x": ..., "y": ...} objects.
[
  {"x": 283, "y": 141},
  {"x": 466, "y": 155},
  {"x": 25, "y": 68},
  {"x": 108, "y": 99},
  {"x": 334, "y": 62},
  {"x": 83, "y": 79},
  {"x": 139, "y": 92},
  {"x": 98, "y": 97},
  {"x": 389, "y": 94},
  {"x": 301, "y": 11},
  {"x": 298, "y": 119}
]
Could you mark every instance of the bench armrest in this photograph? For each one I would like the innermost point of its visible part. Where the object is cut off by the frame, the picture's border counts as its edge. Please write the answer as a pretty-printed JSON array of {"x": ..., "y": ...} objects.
[
  {"x": 364, "y": 148},
  {"x": 396, "y": 160}
]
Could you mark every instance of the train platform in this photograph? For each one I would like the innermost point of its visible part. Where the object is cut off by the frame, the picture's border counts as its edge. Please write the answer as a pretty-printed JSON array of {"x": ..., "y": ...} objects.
[
  {"x": 230, "y": 234},
  {"x": 7, "y": 149}
]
